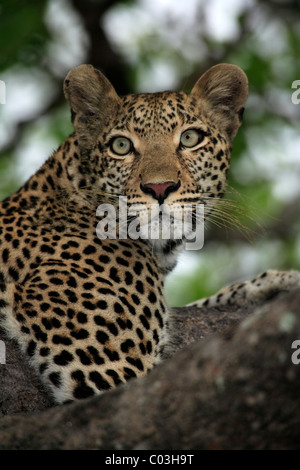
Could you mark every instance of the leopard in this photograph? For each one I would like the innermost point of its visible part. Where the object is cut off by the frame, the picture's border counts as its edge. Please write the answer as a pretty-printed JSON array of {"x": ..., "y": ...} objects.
[{"x": 86, "y": 305}]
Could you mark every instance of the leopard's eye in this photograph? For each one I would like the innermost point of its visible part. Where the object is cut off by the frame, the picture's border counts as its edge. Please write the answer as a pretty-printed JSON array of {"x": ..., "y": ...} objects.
[
  {"x": 191, "y": 138},
  {"x": 121, "y": 145}
]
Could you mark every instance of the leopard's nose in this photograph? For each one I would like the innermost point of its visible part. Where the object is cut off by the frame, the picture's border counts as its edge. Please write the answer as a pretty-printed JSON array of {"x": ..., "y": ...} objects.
[{"x": 160, "y": 191}]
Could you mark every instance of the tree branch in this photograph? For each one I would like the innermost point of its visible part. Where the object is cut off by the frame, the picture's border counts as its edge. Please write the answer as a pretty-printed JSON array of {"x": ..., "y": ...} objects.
[{"x": 233, "y": 390}]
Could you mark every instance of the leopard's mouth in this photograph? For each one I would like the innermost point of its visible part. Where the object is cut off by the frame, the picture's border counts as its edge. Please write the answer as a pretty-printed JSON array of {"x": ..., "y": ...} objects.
[{"x": 165, "y": 221}]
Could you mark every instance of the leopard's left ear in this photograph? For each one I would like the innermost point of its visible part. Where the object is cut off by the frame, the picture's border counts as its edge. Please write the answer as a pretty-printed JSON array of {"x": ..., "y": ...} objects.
[
  {"x": 93, "y": 101},
  {"x": 224, "y": 91}
]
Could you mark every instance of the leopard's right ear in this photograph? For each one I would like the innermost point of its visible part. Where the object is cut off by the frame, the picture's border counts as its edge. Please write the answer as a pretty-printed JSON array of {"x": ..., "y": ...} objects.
[{"x": 93, "y": 101}]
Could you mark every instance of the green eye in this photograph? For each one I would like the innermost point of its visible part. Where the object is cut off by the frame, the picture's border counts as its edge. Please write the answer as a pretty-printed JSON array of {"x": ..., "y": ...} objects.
[
  {"x": 121, "y": 145},
  {"x": 191, "y": 138}
]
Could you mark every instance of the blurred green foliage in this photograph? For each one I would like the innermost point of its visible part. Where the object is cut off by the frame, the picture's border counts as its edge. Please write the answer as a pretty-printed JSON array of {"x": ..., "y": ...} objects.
[
  {"x": 158, "y": 44},
  {"x": 23, "y": 33}
]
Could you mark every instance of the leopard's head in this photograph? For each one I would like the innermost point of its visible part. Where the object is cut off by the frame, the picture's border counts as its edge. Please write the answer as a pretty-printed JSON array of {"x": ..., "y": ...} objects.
[{"x": 158, "y": 148}]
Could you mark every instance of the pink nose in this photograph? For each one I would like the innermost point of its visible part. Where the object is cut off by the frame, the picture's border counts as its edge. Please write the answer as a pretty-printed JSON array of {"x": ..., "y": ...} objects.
[{"x": 160, "y": 191}]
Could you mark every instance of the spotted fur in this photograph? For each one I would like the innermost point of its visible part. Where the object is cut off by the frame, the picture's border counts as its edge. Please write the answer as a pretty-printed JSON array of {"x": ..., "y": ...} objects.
[{"x": 89, "y": 312}]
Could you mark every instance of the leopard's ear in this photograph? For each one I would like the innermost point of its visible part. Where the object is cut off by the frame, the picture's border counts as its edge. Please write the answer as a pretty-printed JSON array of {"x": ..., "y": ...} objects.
[
  {"x": 224, "y": 91},
  {"x": 93, "y": 101}
]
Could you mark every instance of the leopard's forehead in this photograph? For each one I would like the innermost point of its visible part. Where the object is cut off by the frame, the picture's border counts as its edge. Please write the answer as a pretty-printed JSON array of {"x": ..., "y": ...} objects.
[
  {"x": 162, "y": 100},
  {"x": 162, "y": 111}
]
